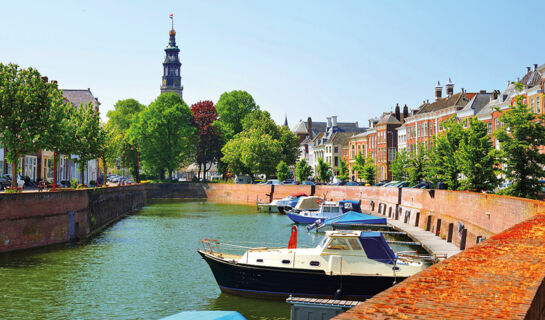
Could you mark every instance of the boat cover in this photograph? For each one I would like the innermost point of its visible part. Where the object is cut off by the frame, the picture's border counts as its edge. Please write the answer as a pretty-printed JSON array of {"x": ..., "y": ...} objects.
[
  {"x": 376, "y": 247},
  {"x": 352, "y": 217},
  {"x": 352, "y": 204},
  {"x": 206, "y": 315},
  {"x": 308, "y": 203}
]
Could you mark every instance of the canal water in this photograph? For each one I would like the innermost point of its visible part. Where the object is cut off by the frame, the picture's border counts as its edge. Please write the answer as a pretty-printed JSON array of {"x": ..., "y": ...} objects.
[{"x": 142, "y": 267}]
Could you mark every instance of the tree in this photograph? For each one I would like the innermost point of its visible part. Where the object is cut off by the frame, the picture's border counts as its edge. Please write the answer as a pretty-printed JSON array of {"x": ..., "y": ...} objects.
[
  {"x": 88, "y": 138},
  {"x": 520, "y": 137},
  {"x": 209, "y": 143},
  {"x": 119, "y": 122},
  {"x": 25, "y": 104},
  {"x": 477, "y": 158},
  {"x": 283, "y": 171},
  {"x": 419, "y": 165},
  {"x": 323, "y": 171},
  {"x": 369, "y": 172},
  {"x": 343, "y": 171},
  {"x": 302, "y": 170},
  {"x": 259, "y": 147},
  {"x": 164, "y": 133},
  {"x": 400, "y": 166},
  {"x": 359, "y": 166},
  {"x": 232, "y": 108},
  {"x": 443, "y": 160}
]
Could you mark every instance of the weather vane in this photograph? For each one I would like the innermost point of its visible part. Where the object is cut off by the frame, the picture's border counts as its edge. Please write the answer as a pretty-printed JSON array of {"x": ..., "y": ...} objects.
[{"x": 172, "y": 19}]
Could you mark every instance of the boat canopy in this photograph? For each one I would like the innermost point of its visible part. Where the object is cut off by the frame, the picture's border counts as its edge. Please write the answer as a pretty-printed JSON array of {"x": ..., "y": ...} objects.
[
  {"x": 299, "y": 195},
  {"x": 376, "y": 247},
  {"x": 308, "y": 203},
  {"x": 351, "y": 204},
  {"x": 352, "y": 217}
]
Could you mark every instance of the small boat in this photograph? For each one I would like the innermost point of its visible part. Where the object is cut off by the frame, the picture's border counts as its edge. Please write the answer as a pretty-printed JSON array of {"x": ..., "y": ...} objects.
[
  {"x": 327, "y": 210},
  {"x": 281, "y": 205},
  {"x": 348, "y": 219},
  {"x": 345, "y": 264}
]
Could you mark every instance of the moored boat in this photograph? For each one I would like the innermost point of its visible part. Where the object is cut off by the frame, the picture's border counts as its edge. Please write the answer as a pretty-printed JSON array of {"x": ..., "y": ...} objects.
[
  {"x": 327, "y": 210},
  {"x": 280, "y": 205},
  {"x": 345, "y": 264}
]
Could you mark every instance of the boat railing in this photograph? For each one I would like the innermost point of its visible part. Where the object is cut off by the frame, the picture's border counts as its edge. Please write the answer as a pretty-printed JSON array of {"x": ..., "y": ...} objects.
[
  {"x": 413, "y": 255},
  {"x": 222, "y": 247}
]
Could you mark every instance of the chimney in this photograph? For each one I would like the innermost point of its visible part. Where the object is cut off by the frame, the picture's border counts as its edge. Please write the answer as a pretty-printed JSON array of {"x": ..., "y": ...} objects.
[
  {"x": 44, "y": 79},
  {"x": 495, "y": 94},
  {"x": 528, "y": 69},
  {"x": 398, "y": 114},
  {"x": 450, "y": 88},
  {"x": 405, "y": 112},
  {"x": 482, "y": 91},
  {"x": 535, "y": 66},
  {"x": 309, "y": 127},
  {"x": 328, "y": 122},
  {"x": 438, "y": 91},
  {"x": 463, "y": 90},
  {"x": 333, "y": 121}
]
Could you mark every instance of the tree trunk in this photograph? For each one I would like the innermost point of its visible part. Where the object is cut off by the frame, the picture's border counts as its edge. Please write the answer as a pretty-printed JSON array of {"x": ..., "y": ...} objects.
[
  {"x": 170, "y": 174},
  {"x": 98, "y": 172},
  {"x": 54, "y": 170},
  {"x": 14, "y": 173},
  {"x": 105, "y": 167},
  {"x": 81, "y": 169},
  {"x": 199, "y": 174}
]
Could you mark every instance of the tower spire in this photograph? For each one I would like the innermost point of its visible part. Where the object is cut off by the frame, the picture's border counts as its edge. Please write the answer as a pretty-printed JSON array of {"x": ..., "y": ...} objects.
[{"x": 172, "y": 78}]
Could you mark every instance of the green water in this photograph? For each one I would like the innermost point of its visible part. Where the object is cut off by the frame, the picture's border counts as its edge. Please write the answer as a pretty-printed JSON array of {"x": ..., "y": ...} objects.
[{"x": 142, "y": 267}]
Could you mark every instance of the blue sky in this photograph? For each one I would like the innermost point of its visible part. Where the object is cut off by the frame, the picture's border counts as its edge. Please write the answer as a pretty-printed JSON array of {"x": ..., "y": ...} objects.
[{"x": 353, "y": 59}]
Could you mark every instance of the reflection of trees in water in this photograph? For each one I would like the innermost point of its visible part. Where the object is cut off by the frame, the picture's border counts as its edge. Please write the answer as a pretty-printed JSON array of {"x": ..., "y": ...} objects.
[{"x": 251, "y": 308}]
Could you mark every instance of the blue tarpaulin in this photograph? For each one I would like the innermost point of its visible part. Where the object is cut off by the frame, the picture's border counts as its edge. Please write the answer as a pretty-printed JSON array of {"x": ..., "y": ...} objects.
[
  {"x": 352, "y": 217},
  {"x": 376, "y": 247},
  {"x": 206, "y": 315}
]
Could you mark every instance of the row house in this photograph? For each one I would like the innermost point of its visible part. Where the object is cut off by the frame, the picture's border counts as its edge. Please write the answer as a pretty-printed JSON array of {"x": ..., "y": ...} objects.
[{"x": 39, "y": 166}]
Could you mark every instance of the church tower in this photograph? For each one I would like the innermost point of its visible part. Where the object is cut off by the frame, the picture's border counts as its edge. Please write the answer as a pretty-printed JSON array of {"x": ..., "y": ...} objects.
[{"x": 172, "y": 79}]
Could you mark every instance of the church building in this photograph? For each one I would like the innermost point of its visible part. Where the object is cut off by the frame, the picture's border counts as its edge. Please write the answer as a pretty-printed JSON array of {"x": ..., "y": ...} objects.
[{"x": 172, "y": 79}]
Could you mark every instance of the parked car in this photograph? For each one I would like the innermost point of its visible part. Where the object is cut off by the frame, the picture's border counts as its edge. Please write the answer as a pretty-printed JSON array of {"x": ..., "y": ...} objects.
[
  {"x": 308, "y": 183},
  {"x": 380, "y": 184},
  {"x": 273, "y": 181},
  {"x": 423, "y": 185},
  {"x": 20, "y": 180},
  {"x": 352, "y": 183},
  {"x": 390, "y": 184},
  {"x": 5, "y": 181},
  {"x": 243, "y": 179},
  {"x": 288, "y": 181},
  {"x": 402, "y": 184}
]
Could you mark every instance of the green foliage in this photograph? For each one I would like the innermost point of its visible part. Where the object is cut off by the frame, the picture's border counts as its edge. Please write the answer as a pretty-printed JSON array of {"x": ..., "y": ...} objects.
[
  {"x": 260, "y": 146},
  {"x": 369, "y": 172},
  {"x": 25, "y": 106},
  {"x": 520, "y": 139},
  {"x": 444, "y": 165},
  {"x": 232, "y": 108},
  {"x": 302, "y": 170},
  {"x": 88, "y": 142},
  {"x": 419, "y": 165},
  {"x": 323, "y": 171},
  {"x": 343, "y": 171},
  {"x": 164, "y": 134},
  {"x": 283, "y": 171},
  {"x": 400, "y": 166},
  {"x": 477, "y": 158},
  {"x": 359, "y": 165}
]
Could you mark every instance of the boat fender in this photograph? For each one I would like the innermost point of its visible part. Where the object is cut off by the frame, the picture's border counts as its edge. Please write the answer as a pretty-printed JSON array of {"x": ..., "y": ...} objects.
[{"x": 337, "y": 294}]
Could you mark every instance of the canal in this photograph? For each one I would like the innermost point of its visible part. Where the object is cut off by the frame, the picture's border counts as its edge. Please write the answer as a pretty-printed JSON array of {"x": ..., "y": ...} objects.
[{"x": 142, "y": 267}]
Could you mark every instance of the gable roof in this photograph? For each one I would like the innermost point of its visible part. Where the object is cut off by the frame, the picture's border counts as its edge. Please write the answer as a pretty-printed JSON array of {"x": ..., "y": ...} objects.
[
  {"x": 388, "y": 119},
  {"x": 458, "y": 99},
  {"x": 478, "y": 102},
  {"x": 340, "y": 138},
  {"x": 80, "y": 97}
]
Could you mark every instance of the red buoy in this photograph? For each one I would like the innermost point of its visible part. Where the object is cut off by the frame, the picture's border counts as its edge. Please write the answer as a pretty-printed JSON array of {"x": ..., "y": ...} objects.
[{"x": 293, "y": 238}]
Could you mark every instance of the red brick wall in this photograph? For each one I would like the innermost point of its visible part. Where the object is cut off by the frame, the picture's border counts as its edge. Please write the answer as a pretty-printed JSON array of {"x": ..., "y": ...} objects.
[
  {"x": 282, "y": 191},
  {"x": 238, "y": 193}
]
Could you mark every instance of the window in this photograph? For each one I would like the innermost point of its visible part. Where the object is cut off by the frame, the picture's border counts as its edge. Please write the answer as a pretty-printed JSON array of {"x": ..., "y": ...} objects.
[
  {"x": 391, "y": 154},
  {"x": 338, "y": 244},
  {"x": 531, "y": 103},
  {"x": 355, "y": 244},
  {"x": 336, "y": 149},
  {"x": 538, "y": 108},
  {"x": 314, "y": 263},
  {"x": 336, "y": 161},
  {"x": 489, "y": 128}
]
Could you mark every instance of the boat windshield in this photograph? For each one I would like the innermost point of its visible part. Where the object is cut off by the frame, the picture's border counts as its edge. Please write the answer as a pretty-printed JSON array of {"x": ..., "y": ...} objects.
[
  {"x": 338, "y": 244},
  {"x": 323, "y": 242}
]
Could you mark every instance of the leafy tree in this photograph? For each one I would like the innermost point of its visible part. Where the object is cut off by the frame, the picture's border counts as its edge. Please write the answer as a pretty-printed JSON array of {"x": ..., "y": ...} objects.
[
  {"x": 164, "y": 134},
  {"x": 259, "y": 147},
  {"x": 119, "y": 122},
  {"x": 419, "y": 165},
  {"x": 302, "y": 170},
  {"x": 210, "y": 142},
  {"x": 369, "y": 172},
  {"x": 359, "y": 165},
  {"x": 283, "y": 171},
  {"x": 443, "y": 160},
  {"x": 232, "y": 108},
  {"x": 323, "y": 171},
  {"x": 520, "y": 138},
  {"x": 343, "y": 171},
  {"x": 400, "y": 166},
  {"x": 477, "y": 158},
  {"x": 25, "y": 104},
  {"x": 88, "y": 140}
]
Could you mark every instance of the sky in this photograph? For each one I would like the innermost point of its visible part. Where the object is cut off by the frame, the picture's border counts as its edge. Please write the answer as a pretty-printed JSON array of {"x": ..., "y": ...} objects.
[{"x": 353, "y": 59}]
